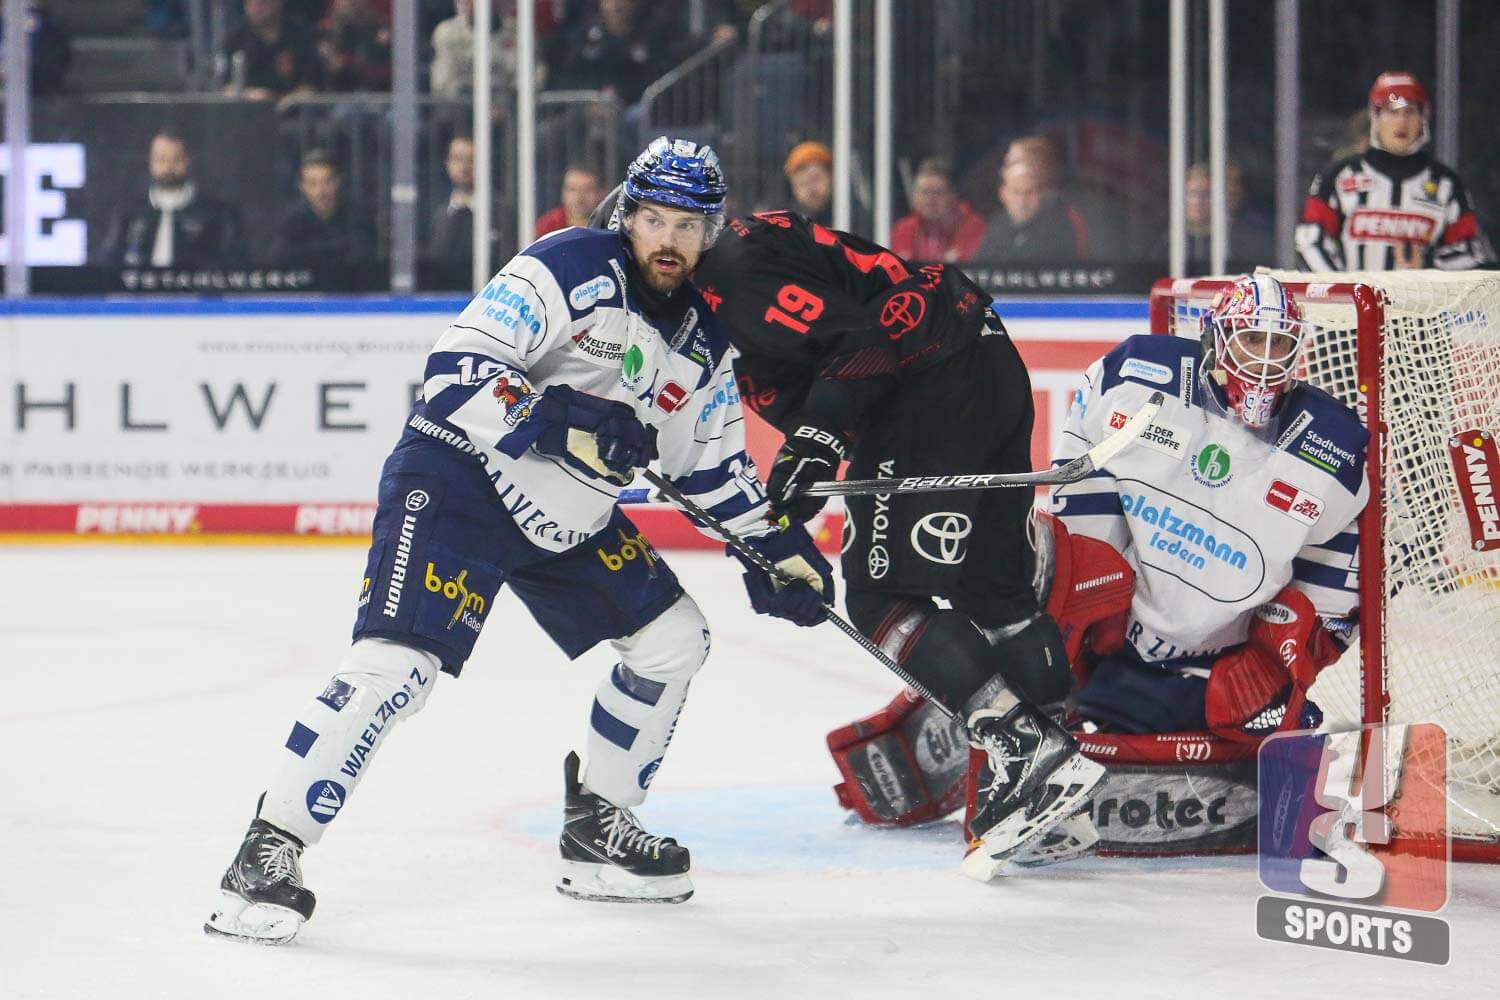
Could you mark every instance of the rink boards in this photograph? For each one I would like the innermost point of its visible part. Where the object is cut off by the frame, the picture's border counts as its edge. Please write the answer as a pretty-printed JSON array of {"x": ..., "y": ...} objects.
[{"x": 269, "y": 419}]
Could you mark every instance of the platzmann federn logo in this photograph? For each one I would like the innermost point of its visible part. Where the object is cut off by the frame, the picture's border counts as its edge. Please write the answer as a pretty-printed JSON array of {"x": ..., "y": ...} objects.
[{"x": 1354, "y": 838}]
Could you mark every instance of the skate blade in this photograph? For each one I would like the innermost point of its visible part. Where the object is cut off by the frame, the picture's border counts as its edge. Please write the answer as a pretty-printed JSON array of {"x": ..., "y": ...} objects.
[
  {"x": 1073, "y": 838},
  {"x": 989, "y": 854},
  {"x": 257, "y": 923},
  {"x": 608, "y": 884}
]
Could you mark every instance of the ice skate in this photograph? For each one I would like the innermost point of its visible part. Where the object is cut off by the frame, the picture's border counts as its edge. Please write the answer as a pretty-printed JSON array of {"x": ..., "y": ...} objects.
[
  {"x": 1036, "y": 776},
  {"x": 606, "y": 855},
  {"x": 261, "y": 896},
  {"x": 1073, "y": 838}
]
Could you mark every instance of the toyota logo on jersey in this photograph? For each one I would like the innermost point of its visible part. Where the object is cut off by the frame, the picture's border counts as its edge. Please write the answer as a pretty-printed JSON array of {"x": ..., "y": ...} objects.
[
  {"x": 901, "y": 313},
  {"x": 941, "y": 537}
]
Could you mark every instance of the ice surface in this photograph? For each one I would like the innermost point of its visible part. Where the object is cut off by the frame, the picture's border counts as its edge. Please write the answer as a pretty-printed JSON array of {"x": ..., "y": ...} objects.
[{"x": 147, "y": 690}]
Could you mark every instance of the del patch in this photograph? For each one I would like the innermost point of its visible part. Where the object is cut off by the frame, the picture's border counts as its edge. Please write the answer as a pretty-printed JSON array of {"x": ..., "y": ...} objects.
[{"x": 1295, "y": 503}]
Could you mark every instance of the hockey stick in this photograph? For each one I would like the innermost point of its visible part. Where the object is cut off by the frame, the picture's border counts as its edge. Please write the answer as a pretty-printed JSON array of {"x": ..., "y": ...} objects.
[
  {"x": 765, "y": 565},
  {"x": 1080, "y": 468}
]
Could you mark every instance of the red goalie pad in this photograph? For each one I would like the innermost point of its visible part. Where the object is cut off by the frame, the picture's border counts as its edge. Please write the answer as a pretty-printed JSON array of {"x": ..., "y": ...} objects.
[
  {"x": 1261, "y": 687},
  {"x": 1164, "y": 794},
  {"x": 1089, "y": 592},
  {"x": 901, "y": 765}
]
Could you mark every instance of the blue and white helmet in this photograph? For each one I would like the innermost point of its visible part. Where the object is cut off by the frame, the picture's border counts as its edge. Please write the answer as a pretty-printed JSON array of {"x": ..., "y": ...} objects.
[{"x": 678, "y": 173}]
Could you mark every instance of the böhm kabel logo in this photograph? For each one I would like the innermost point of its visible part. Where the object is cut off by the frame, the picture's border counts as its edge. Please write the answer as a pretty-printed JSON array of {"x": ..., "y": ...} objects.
[{"x": 1357, "y": 817}]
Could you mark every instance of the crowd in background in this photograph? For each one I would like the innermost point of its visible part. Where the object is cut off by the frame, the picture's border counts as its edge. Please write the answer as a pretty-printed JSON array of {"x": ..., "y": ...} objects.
[{"x": 1014, "y": 197}]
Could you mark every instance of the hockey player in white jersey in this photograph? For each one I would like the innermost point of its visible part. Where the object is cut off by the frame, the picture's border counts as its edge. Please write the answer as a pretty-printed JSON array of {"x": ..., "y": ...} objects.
[
  {"x": 1226, "y": 574},
  {"x": 586, "y": 357},
  {"x": 1243, "y": 494}
]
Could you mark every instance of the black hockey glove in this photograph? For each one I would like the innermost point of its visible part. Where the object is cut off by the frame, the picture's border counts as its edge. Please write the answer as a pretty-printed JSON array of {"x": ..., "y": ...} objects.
[
  {"x": 810, "y": 455},
  {"x": 791, "y": 550}
]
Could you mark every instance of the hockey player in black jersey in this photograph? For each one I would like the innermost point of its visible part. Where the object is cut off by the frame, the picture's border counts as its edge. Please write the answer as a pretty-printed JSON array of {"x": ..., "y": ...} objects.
[
  {"x": 855, "y": 354},
  {"x": 1392, "y": 207}
]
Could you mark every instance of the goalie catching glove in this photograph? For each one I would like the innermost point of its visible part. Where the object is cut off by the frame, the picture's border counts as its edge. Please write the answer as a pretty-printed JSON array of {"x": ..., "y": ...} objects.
[
  {"x": 803, "y": 600},
  {"x": 1261, "y": 688},
  {"x": 599, "y": 437}
]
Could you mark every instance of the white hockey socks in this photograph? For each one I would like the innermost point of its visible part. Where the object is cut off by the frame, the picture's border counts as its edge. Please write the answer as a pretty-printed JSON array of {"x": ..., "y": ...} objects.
[
  {"x": 335, "y": 735},
  {"x": 636, "y": 707}
]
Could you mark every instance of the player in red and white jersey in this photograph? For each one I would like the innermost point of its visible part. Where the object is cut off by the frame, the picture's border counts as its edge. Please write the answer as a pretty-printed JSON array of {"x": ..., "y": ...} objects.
[{"x": 1393, "y": 206}]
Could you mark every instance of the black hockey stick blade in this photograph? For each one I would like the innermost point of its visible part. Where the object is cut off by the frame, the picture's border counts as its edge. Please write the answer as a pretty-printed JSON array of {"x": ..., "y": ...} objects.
[{"x": 1079, "y": 468}]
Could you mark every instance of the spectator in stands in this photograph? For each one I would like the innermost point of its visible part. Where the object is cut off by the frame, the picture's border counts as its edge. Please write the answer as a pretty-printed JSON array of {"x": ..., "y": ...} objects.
[
  {"x": 613, "y": 52},
  {"x": 1252, "y": 234},
  {"x": 809, "y": 171},
  {"x": 176, "y": 224},
  {"x": 324, "y": 228},
  {"x": 582, "y": 189},
  {"x": 50, "y": 48},
  {"x": 1032, "y": 225},
  {"x": 355, "y": 45},
  {"x": 940, "y": 226},
  {"x": 452, "y": 240},
  {"x": 453, "y": 52},
  {"x": 1045, "y": 154},
  {"x": 453, "y": 220},
  {"x": 270, "y": 56}
]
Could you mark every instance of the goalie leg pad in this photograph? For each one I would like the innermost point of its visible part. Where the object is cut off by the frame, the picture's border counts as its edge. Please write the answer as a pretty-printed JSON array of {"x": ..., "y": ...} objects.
[
  {"x": 901, "y": 765},
  {"x": 636, "y": 706},
  {"x": 379, "y": 684}
]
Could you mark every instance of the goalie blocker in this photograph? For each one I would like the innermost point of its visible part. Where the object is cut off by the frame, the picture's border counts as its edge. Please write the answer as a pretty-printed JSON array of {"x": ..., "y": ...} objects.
[{"x": 1170, "y": 793}]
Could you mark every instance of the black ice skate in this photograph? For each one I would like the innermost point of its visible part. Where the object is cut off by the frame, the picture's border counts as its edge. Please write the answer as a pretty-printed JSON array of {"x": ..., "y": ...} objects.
[
  {"x": 1034, "y": 778},
  {"x": 607, "y": 856},
  {"x": 261, "y": 895}
]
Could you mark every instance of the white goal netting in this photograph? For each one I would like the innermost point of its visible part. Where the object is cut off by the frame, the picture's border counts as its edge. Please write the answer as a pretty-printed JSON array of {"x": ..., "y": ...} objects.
[{"x": 1436, "y": 337}]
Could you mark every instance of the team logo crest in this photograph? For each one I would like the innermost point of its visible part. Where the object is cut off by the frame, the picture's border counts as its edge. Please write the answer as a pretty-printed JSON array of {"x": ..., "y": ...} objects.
[
  {"x": 516, "y": 396},
  {"x": 1211, "y": 466},
  {"x": 631, "y": 366}
]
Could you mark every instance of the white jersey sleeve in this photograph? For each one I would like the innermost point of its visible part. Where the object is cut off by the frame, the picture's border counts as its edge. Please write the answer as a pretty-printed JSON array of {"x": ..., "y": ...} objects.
[{"x": 517, "y": 318}]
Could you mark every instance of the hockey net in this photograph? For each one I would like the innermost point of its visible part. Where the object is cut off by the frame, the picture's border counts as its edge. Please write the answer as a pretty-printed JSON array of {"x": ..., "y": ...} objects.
[{"x": 1417, "y": 355}]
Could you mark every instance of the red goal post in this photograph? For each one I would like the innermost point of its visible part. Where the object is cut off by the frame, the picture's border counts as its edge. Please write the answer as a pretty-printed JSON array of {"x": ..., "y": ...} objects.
[{"x": 1417, "y": 356}]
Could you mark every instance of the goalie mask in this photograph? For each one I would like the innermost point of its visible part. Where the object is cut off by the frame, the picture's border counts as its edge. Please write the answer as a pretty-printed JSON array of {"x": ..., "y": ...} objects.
[{"x": 1251, "y": 338}]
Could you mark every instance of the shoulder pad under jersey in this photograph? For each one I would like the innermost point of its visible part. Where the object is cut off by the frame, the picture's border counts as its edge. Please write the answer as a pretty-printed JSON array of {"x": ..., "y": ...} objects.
[
  {"x": 588, "y": 265},
  {"x": 1323, "y": 432},
  {"x": 1165, "y": 363}
]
